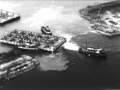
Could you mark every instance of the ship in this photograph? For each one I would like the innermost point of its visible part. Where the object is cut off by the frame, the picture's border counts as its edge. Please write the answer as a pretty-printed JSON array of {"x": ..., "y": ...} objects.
[
  {"x": 95, "y": 52},
  {"x": 27, "y": 40},
  {"x": 46, "y": 30},
  {"x": 6, "y": 17},
  {"x": 17, "y": 67}
]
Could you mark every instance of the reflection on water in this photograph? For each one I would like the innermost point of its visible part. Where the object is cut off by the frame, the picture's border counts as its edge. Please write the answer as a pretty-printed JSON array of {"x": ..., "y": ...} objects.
[
  {"x": 4, "y": 49},
  {"x": 53, "y": 61}
]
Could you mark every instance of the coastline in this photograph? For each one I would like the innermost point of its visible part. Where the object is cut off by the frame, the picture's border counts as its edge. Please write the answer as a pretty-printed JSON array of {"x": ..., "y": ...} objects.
[{"x": 96, "y": 15}]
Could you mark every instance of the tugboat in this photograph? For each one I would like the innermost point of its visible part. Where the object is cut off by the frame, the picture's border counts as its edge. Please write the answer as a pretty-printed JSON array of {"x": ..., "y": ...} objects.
[
  {"x": 46, "y": 30},
  {"x": 99, "y": 52},
  {"x": 27, "y": 40}
]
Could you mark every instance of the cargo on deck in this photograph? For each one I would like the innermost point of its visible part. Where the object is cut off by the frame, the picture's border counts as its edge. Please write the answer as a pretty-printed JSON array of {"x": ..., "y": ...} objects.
[{"x": 33, "y": 41}]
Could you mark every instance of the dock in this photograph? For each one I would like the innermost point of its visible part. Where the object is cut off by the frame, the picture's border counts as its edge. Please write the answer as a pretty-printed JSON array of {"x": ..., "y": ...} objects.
[
  {"x": 27, "y": 40},
  {"x": 6, "y": 17}
]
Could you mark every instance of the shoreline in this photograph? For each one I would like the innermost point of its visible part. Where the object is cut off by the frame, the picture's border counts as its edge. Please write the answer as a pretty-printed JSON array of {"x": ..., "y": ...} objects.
[{"x": 96, "y": 15}]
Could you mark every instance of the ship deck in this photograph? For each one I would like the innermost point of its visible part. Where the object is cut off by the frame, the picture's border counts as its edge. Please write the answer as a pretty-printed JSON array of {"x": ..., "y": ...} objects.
[{"x": 32, "y": 41}]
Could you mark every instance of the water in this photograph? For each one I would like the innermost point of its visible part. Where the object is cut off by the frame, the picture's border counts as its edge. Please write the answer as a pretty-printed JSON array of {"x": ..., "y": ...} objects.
[{"x": 65, "y": 69}]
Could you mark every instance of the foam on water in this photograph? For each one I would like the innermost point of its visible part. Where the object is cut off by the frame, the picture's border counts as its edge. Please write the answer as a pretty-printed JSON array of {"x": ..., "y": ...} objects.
[{"x": 70, "y": 45}]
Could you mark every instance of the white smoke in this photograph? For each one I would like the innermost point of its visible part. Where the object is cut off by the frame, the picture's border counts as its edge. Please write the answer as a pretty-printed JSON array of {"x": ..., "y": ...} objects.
[
  {"x": 9, "y": 6},
  {"x": 58, "y": 18},
  {"x": 43, "y": 16},
  {"x": 71, "y": 46},
  {"x": 53, "y": 62}
]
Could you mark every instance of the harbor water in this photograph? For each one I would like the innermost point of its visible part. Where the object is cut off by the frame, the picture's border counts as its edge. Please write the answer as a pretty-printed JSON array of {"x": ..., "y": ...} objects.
[{"x": 66, "y": 68}]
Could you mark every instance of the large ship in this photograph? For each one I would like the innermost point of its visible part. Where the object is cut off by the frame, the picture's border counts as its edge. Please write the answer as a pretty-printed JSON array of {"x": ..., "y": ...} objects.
[
  {"x": 6, "y": 16},
  {"x": 34, "y": 41},
  {"x": 17, "y": 67},
  {"x": 89, "y": 51}
]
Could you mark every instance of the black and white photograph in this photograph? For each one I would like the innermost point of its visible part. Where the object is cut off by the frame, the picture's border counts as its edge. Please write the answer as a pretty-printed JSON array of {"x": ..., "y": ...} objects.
[{"x": 59, "y": 44}]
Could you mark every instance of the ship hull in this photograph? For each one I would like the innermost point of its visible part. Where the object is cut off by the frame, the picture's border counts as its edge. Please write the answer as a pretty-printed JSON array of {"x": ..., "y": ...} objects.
[
  {"x": 61, "y": 42},
  {"x": 15, "y": 46},
  {"x": 10, "y": 20},
  {"x": 85, "y": 52}
]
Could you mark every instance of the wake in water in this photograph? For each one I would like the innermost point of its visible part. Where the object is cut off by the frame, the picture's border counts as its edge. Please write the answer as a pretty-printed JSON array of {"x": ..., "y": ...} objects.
[{"x": 70, "y": 45}]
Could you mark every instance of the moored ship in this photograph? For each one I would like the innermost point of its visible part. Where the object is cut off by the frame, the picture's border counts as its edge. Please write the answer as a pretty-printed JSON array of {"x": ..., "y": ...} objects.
[
  {"x": 6, "y": 16},
  {"x": 17, "y": 67},
  {"x": 33, "y": 41}
]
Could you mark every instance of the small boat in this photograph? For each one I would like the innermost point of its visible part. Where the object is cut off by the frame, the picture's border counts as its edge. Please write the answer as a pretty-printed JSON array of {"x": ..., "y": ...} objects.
[
  {"x": 96, "y": 52},
  {"x": 46, "y": 30}
]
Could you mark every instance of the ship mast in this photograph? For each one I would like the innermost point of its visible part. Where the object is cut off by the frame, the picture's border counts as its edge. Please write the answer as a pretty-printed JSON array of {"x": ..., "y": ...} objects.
[{"x": 86, "y": 45}]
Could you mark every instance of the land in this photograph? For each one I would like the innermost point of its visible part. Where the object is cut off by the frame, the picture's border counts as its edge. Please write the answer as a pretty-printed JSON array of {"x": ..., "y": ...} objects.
[{"x": 104, "y": 18}]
